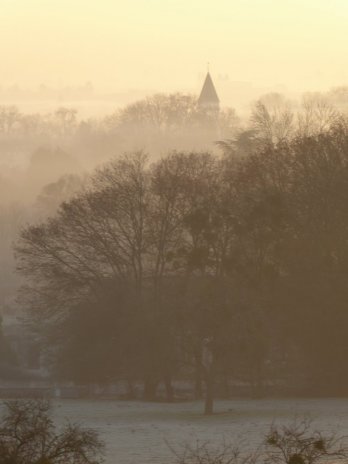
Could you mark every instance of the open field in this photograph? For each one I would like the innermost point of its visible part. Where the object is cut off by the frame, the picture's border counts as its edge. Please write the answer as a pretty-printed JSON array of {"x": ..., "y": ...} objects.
[{"x": 136, "y": 432}]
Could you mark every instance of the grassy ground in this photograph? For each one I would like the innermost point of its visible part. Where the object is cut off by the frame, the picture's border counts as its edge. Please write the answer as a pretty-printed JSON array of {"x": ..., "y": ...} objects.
[{"x": 136, "y": 432}]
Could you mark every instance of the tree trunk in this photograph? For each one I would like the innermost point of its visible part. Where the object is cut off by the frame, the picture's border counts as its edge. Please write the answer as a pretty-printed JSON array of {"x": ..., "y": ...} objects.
[
  {"x": 257, "y": 382},
  {"x": 169, "y": 387},
  {"x": 208, "y": 363},
  {"x": 225, "y": 387},
  {"x": 209, "y": 393},
  {"x": 130, "y": 390},
  {"x": 198, "y": 383},
  {"x": 198, "y": 377},
  {"x": 150, "y": 388}
]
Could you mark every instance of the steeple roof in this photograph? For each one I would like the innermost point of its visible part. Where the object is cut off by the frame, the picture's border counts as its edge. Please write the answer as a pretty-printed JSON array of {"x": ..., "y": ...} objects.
[{"x": 208, "y": 94}]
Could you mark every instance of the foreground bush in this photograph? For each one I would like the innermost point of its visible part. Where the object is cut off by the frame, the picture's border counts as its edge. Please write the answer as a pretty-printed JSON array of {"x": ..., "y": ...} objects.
[
  {"x": 297, "y": 443},
  {"x": 29, "y": 436}
]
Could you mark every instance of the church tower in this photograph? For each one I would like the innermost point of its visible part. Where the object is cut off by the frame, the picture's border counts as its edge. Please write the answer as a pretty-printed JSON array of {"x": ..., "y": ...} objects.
[{"x": 208, "y": 99}]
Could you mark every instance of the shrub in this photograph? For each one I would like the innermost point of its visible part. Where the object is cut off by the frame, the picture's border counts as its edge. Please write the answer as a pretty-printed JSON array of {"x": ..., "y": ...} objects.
[{"x": 28, "y": 435}]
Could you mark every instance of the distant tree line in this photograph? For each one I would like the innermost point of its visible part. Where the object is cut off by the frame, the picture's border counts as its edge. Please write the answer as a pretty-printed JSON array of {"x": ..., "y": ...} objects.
[{"x": 159, "y": 122}]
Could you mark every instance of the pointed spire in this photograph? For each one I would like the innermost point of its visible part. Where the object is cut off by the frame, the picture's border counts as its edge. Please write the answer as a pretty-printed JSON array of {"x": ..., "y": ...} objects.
[{"x": 208, "y": 97}]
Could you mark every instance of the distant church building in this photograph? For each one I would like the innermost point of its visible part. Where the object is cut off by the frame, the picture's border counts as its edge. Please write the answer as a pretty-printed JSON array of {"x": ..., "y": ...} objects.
[{"x": 208, "y": 99}]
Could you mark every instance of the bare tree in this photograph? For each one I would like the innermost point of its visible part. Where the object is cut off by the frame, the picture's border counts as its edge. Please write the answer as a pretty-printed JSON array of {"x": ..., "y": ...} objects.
[
  {"x": 9, "y": 117},
  {"x": 317, "y": 114},
  {"x": 66, "y": 120},
  {"x": 272, "y": 117}
]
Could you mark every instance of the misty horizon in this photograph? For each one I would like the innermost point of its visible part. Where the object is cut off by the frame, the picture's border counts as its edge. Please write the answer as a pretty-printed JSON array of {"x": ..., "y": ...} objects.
[{"x": 295, "y": 44}]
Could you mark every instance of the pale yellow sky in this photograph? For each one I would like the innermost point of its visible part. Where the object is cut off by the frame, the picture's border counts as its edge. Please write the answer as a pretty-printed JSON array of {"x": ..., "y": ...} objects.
[{"x": 165, "y": 44}]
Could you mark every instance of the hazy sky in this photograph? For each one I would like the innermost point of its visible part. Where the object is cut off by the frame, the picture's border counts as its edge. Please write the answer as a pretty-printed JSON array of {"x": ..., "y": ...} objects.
[{"x": 165, "y": 44}]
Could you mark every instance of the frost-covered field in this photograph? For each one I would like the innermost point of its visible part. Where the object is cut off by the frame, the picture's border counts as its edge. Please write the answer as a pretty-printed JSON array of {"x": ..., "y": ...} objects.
[{"x": 136, "y": 433}]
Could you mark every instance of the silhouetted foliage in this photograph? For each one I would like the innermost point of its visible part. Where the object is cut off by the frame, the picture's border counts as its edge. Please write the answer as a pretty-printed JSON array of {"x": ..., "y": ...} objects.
[{"x": 226, "y": 267}]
